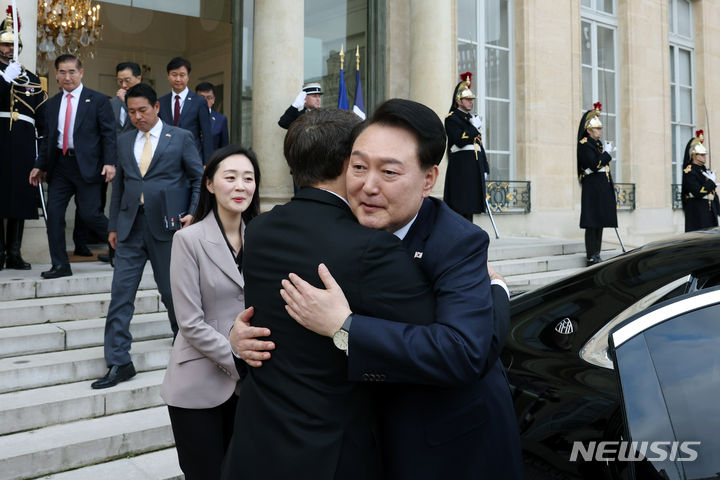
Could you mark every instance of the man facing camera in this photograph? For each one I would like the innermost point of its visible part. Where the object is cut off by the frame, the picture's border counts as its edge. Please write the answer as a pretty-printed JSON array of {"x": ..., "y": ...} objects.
[
  {"x": 77, "y": 154},
  {"x": 218, "y": 121},
  {"x": 184, "y": 109},
  {"x": 153, "y": 162}
]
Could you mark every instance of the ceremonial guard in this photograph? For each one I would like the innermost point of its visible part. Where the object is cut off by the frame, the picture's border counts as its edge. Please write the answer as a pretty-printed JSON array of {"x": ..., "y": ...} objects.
[
  {"x": 699, "y": 196},
  {"x": 21, "y": 122},
  {"x": 598, "y": 208},
  {"x": 467, "y": 164},
  {"x": 309, "y": 98}
]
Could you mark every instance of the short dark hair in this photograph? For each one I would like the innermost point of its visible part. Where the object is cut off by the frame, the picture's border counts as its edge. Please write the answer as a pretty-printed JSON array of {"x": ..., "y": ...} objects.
[
  {"x": 207, "y": 201},
  {"x": 317, "y": 145},
  {"x": 205, "y": 87},
  {"x": 142, "y": 90},
  {"x": 417, "y": 119},
  {"x": 178, "y": 62},
  {"x": 134, "y": 67},
  {"x": 66, "y": 57}
]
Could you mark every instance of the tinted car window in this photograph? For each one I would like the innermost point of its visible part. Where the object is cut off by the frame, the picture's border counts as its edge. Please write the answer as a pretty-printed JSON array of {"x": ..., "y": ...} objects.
[{"x": 670, "y": 377}]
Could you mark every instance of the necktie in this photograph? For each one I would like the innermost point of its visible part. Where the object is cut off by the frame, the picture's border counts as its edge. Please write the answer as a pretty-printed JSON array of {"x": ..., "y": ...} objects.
[
  {"x": 66, "y": 129},
  {"x": 145, "y": 159},
  {"x": 176, "y": 117}
]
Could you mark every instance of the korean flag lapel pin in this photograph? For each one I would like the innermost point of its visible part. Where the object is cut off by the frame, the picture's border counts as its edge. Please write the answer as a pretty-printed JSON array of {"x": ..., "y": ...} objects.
[
  {"x": 418, "y": 255},
  {"x": 168, "y": 135},
  {"x": 87, "y": 100}
]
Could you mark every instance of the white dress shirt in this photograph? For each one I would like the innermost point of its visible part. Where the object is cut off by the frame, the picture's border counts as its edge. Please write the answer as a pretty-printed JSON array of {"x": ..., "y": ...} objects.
[
  {"x": 154, "y": 139},
  {"x": 183, "y": 96},
  {"x": 61, "y": 116}
]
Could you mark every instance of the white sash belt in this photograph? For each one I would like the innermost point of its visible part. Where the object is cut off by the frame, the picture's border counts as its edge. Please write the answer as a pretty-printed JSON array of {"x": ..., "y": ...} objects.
[
  {"x": 602, "y": 170},
  {"x": 455, "y": 148},
  {"x": 18, "y": 116}
]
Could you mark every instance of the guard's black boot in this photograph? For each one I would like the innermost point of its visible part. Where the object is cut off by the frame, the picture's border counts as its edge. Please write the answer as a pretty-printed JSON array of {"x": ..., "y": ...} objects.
[{"x": 13, "y": 260}]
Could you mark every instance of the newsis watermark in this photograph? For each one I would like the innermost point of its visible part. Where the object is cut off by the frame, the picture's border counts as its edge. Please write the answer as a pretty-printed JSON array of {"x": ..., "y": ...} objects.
[{"x": 625, "y": 451}]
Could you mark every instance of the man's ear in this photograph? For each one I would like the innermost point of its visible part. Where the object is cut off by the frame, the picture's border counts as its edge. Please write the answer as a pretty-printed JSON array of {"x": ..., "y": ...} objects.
[{"x": 431, "y": 176}]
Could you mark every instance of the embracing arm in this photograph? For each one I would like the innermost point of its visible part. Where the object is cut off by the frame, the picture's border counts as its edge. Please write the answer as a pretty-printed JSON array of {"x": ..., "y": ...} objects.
[{"x": 187, "y": 301}]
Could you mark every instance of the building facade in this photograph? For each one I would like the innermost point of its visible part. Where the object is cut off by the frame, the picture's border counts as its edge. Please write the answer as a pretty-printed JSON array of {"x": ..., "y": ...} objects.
[{"x": 537, "y": 65}]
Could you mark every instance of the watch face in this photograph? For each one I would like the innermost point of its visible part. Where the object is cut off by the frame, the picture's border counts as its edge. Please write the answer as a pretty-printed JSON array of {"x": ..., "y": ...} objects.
[{"x": 340, "y": 339}]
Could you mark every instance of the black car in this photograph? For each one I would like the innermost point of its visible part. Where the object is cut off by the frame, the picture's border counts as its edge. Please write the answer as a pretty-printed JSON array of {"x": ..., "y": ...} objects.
[{"x": 565, "y": 337}]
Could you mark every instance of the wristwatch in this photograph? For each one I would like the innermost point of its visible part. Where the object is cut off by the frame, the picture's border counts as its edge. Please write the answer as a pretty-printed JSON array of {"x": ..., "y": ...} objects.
[{"x": 341, "y": 337}]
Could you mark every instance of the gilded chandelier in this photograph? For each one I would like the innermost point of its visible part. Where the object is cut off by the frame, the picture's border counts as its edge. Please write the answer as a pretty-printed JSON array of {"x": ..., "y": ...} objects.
[{"x": 66, "y": 26}]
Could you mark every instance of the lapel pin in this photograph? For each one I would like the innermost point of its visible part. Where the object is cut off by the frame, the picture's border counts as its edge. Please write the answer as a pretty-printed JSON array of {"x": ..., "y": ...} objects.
[
  {"x": 168, "y": 135},
  {"x": 87, "y": 100},
  {"x": 418, "y": 255}
]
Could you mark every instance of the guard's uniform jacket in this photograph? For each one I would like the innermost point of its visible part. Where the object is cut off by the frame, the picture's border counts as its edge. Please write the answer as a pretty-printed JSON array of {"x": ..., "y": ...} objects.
[
  {"x": 699, "y": 199},
  {"x": 467, "y": 165},
  {"x": 21, "y": 112},
  {"x": 598, "y": 208}
]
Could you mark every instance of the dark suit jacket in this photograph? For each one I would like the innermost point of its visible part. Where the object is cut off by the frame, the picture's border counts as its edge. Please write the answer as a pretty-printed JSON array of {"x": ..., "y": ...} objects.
[
  {"x": 454, "y": 417},
  {"x": 298, "y": 416},
  {"x": 175, "y": 164},
  {"x": 290, "y": 115},
  {"x": 219, "y": 125},
  {"x": 118, "y": 106},
  {"x": 94, "y": 135},
  {"x": 194, "y": 117}
]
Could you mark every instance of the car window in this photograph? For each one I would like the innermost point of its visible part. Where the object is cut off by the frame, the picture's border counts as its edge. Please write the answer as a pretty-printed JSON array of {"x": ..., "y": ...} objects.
[{"x": 670, "y": 382}]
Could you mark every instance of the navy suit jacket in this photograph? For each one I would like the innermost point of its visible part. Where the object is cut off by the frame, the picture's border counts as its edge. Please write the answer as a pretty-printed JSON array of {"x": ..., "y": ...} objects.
[
  {"x": 174, "y": 164},
  {"x": 194, "y": 117},
  {"x": 446, "y": 413},
  {"x": 94, "y": 135},
  {"x": 219, "y": 125},
  {"x": 118, "y": 106}
]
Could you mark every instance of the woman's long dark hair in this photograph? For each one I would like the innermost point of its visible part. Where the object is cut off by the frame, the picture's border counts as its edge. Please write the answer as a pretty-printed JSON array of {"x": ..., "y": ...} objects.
[{"x": 207, "y": 202}]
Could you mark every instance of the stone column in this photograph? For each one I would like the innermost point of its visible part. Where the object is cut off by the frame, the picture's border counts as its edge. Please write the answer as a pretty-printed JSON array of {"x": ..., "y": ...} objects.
[
  {"x": 433, "y": 65},
  {"x": 645, "y": 109},
  {"x": 27, "y": 9},
  {"x": 277, "y": 78}
]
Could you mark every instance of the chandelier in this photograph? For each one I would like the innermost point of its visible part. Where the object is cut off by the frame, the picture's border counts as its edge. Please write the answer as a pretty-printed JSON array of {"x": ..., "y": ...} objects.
[{"x": 66, "y": 26}]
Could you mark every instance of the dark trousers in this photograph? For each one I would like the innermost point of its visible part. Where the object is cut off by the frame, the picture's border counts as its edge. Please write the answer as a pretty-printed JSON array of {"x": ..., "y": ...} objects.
[
  {"x": 202, "y": 437},
  {"x": 81, "y": 235},
  {"x": 131, "y": 256},
  {"x": 593, "y": 241},
  {"x": 66, "y": 181}
]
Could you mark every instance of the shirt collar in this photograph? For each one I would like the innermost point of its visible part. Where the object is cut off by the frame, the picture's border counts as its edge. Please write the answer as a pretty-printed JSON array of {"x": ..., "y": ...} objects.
[
  {"x": 404, "y": 230},
  {"x": 75, "y": 93},
  {"x": 154, "y": 131},
  {"x": 339, "y": 196},
  {"x": 183, "y": 95}
]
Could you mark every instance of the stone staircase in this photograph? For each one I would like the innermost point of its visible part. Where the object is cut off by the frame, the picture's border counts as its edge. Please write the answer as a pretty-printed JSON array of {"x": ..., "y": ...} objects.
[
  {"x": 51, "y": 335},
  {"x": 54, "y": 426}
]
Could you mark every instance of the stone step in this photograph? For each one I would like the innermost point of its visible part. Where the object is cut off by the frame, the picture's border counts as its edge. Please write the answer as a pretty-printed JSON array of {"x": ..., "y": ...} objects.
[
  {"x": 41, "y": 407},
  {"x": 57, "y": 309},
  {"x": 160, "y": 465},
  {"x": 51, "y": 337},
  {"x": 87, "y": 278},
  {"x": 530, "y": 281},
  {"x": 54, "y": 368},
  {"x": 507, "y": 248},
  {"x": 58, "y": 448},
  {"x": 521, "y": 266}
]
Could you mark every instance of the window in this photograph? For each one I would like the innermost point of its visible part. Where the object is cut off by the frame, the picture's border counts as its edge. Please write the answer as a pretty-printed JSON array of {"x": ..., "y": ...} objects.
[
  {"x": 485, "y": 39},
  {"x": 682, "y": 81},
  {"x": 599, "y": 67}
]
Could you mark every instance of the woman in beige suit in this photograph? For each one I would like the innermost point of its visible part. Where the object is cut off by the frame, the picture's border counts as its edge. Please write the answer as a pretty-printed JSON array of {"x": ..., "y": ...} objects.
[{"x": 202, "y": 382}]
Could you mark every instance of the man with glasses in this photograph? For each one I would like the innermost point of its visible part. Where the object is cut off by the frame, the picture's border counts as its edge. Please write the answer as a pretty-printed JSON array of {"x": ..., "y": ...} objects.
[
  {"x": 218, "y": 121},
  {"x": 76, "y": 155},
  {"x": 184, "y": 109}
]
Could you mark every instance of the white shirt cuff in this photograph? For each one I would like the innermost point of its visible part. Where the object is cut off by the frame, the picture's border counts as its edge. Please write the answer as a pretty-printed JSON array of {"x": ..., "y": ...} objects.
[{"x": 497, "y": 281}]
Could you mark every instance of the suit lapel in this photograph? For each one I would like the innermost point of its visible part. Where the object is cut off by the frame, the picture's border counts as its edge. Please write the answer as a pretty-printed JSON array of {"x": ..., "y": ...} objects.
[
  {"x": 130, "y": 148},
  {"x": 187, "y": 106},
  {"x": 418, "y": 234},
  {"x": 83, "y": 106},
  {"x": 217, "y": 250}
]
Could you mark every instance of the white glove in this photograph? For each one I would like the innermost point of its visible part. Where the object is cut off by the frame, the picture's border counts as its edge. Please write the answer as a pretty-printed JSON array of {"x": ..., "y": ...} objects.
[
  {"x": 486, "y": 173},
  {"x": 12, "y": 71},
  {"x": 299, "y": 102},
  {"x": 608, "y": 148},
  {"x": 710, "y": 175},
  {"x": 476, "y": 122}
]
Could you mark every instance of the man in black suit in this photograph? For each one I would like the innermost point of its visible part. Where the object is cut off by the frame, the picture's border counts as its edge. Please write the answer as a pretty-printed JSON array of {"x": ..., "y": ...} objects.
[
  {"x": 218, "y": 121},
  {"x": 187, "y": 110},
  {"x": 77, "y": 155},
  {"x": 298, "y": 416},
  {"x": 128, "y": 75}
]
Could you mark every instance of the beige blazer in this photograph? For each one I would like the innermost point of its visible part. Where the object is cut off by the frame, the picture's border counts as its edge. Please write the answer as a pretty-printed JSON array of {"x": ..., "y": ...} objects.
[{"x": 208, "y": 293}]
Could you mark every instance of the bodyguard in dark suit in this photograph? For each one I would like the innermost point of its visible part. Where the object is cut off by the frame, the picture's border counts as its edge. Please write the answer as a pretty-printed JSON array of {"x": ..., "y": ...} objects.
[
  {"x": 186, "y": 110},
  {"x": 152, "y": 160},
  {"x": 77, "y": 154},
  {"x": 446, "y": 411},
  {"x": 218, "y": 121},
  {"x": 298, "y": 416}
]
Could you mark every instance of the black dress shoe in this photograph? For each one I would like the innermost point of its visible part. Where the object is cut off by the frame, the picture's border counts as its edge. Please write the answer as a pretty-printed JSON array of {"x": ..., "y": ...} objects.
[
  {"x": 16, "y": 262},
  {"x": 57, "y": 271},
  {"x": 104, "y": 257},
  {"x": 83, "y": 251},
  {"x": 115, "y": 375}
]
